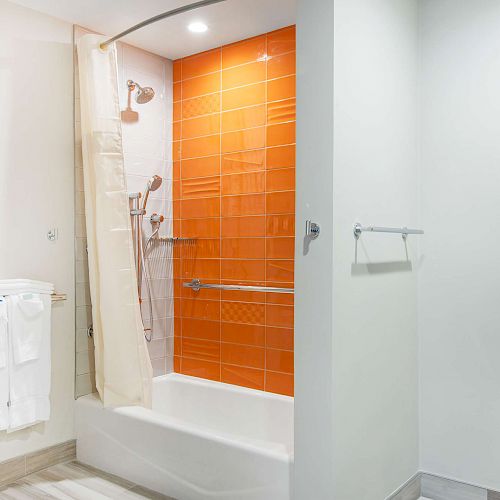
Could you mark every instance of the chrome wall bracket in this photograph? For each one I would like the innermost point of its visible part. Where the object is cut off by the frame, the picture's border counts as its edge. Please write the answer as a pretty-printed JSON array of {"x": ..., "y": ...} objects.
[{"x": 312, "y": 229}]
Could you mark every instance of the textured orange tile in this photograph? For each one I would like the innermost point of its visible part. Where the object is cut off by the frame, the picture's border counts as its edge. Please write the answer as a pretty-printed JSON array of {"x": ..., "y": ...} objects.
[
  {"x": 201, "y": 146},
  {"x": 200, "y": 228},
  {"x": 201, "y": 64},
  {"x": 280, "y": 225},
  {"x": 244, "y": 75},
  {"x": 245, "y": 51},
  {"x": 248, "y": 204},
  {"x": 200, "y": 309},
  {"x": 177, "y": 70},
  {"x": 201, "y": 187},
  {"x": 206, "y": 84},
  {"x": 239, "y": 119},
  {"x": 243, "y": 227},
  {"x": 279, "y": 361},
  {"x": 203, "y": 125},
  {"x": 281, "y": 65},
  {"x": 243, "y": 248},
  {"x": 281, "y": 88},
  {"x": 241, "y": 312},
  {"x": 280, "y": 202},
  {"x": 281, "y": 41},
  {"x": 243, "y": 334},
  {"x": 279, "y": 338},
  {"x": 176, "y": 131},
  {"x": 176, "y": 150},
  {"x": 198, "y": 106},
  {"x": 244, "y": 96},
  {"x": 177, "y": 91},
  {"x": 279, "y": 383},
  {"x": 280, "y": 157},
  {"x": 283, "y": 133},
  {"x": 241, "y": 355},
  {"x": 177, "y": 111},
  {"x": 177, "y": 364},
  {"x": 242, "y": 140},
  {"x": 252, "y": 182},
  {"x": 243, "y": 376},
  {"x": 200, "y": 368},
  {"x": 207, "y": 350},
  {"x": 280, "y": 180},
  {"x": 280, "y": 248},
  {"x": 202, "y": 249},
  {"x": 243, "y": 270},
  {"x": 200, "y": 167},
  {"x": 279, "y": 270},
  {"x": 200, "y": 208},
  {"x": 244, "y": 161},
  {"x": 277, "y": 315},
  {"x": 281, "y": 111},
  {"x": 200, "y": 329},
  {"x": 205, "y": 269}
]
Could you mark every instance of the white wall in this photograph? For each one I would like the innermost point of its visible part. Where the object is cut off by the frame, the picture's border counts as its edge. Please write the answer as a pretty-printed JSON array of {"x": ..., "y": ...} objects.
[
  {"x": 459, "y": 312},
  {"x": 36, "y": 191},
  {"x": 375, "y": 377}
]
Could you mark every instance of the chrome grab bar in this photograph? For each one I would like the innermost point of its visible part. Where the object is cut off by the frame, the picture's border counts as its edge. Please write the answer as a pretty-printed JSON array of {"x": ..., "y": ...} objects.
[
  {"x": 197, "y": 285},
  {"x": 358, "y": 229}
]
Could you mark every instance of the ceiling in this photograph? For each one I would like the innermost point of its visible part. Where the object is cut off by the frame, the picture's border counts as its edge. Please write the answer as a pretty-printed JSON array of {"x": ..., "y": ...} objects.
[{"x": 228, "y": 21}]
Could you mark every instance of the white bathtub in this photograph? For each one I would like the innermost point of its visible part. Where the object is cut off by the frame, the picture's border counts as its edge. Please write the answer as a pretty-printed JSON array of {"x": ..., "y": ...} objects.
[{"x": 201, "y": 440}]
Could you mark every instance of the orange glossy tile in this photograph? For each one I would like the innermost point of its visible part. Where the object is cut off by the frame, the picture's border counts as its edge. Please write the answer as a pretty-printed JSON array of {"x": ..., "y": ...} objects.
[
  {"x": 243, "y": 270},
  {"x": 177, "y": 91},
  {"x": 176, "y": 150},
  {"x": 243, "y": 161},
  {"x": 284, "y": 299},
  {"x": 280, "y": 180},
  {"x": 200, "y": 309},
  {"x": 203, "y": 125},
  {"x": 281, "y": 111},
  {"x": 248, "y": 204},
  {"x": 177, "y": 111},
  {"x": 205, "y": 269},
  {"x": 243, "y": 295},
  {"x": 176, "y": 131},
  {"x": 243, "y": 376},
  {"x": 278, "y": 315},
  {"x": 252, "y": 182},
  {"x": 244, "y": 96},
  {"x": 176, "y": 190},
  {"x": 200, "y": 228},
  {"x": 245, "y": 51},
  {"x": 243, "y": 248},
  {"x": 244, "y": 75},
  {"x": 177, "y": 364},
  {"x": 280, "y": 248},
  {"x": 238, "y": 333},
  {"x": 279, "y": 338},
  {"x": 280, "y": 225},
  {"x": 177, "y": 70},
  {"x": 242, "y": 312},
  {"x": 280, "y": 202},
  {"x": 201, "y": 146},
  {"x": 201, "y": 249},
  {"x": 244, "y": 118},
  {"x": 200, "y": 208},
  {"x": 279, "y": 383},
  {"x": 201, "y": 329},
  {"x": 207, "y": 350},
  {"x": 242, "y": 140},
  {"x": 198, "y": 106},
  {"x": 201, "y": 64},
  {"x": 177, "y": 308},
  {"x": 281, "y": 65},
  {"x": 241, "y": 355},
  {"x": 281, "y": 88},
  {"x": 177, "y": 346},
  {"x": 281, "y": 41},
  {"x": 279, "y": 361},
  {"x": 200, "y": 167},
  {"x": 243, "y": 227},
  {"x": 201, "y": 85},
  {"x": 203, "y": 187},
  {"x": 279, "y": 270},
  {"x": 283, "y": 133},
  {"x": 200, "y": 368},
  {"x": 176, "y": 170},
  {"x": 280, "y": 157}
]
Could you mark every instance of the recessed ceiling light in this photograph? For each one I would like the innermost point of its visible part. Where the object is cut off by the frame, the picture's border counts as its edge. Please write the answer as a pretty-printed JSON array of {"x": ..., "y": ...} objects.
[{"x": 198, "y": 27}]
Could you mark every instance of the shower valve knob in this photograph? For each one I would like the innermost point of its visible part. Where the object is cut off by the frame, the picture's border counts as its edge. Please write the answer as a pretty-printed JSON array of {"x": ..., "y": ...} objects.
[{"x": 312, "y": 229}]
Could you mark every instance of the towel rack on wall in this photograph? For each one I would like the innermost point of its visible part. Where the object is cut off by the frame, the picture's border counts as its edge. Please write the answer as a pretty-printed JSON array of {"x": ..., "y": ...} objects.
[
  {"x": 197, "y": 285},
  {"x": 403, "y": 231},
  {"x": 58, "y": 297}
]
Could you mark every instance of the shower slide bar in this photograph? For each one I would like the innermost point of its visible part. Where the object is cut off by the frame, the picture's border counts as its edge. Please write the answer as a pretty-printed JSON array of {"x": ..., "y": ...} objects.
[
  {"x": 197, "y": 285},
  {"x": 404, "y": 231}
]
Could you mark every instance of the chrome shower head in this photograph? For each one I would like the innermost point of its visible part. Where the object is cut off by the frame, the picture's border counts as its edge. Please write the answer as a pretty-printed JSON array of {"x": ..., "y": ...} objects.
[
  {"x": 143, "y": 94},
  {"x": 153, "y": 184}
]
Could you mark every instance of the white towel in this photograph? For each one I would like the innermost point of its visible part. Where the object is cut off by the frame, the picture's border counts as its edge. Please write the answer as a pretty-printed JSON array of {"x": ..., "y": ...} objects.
[
  {"x": 4, "y": 372},
  {"x": 29, "y": 359}
]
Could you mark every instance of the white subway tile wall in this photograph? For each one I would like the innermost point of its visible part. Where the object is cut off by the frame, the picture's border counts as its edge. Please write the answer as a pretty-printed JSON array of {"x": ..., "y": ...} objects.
[{"x": 147, "y": 151}]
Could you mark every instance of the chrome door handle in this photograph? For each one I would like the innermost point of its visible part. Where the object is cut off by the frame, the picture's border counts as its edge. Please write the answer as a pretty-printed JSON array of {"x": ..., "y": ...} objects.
[{"x": 312, "y": 229}]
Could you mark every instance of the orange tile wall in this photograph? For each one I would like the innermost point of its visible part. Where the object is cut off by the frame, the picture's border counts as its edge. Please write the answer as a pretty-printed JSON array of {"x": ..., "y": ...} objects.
[{"x": 234, "y": 191}]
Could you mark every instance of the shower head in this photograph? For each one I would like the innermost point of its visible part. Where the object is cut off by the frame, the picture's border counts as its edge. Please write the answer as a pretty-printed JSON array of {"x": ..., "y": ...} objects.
[
  {"x": 153, "y": 184},
  {"x": 143, "y": 94}
]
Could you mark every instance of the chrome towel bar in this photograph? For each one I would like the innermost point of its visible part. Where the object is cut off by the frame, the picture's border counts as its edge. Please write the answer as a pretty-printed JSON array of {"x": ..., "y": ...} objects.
[
  {"x": 197, "y": 285},
  {"x": 404, "y": 231}
]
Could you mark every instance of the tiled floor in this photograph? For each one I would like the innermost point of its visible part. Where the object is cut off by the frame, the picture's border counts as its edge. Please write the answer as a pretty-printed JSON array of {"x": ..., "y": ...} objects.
[{"x": 73, "y": 480}]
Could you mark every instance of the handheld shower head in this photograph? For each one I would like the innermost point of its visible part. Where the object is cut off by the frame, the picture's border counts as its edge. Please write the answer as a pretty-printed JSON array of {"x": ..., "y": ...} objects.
[
  {"x": 143, "y": 94},
  {"x": 153, "y": 184}
]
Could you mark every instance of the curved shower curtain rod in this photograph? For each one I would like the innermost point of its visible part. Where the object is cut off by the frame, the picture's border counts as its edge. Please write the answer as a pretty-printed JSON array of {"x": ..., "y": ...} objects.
[{"x": 159, "y": 17}]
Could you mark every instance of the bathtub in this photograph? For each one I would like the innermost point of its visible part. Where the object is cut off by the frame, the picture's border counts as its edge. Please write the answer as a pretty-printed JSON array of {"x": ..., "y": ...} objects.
[{"x": 201, "y": 440}]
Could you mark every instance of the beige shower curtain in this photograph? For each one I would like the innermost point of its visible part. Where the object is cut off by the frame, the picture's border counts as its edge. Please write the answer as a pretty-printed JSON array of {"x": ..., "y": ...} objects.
[{"x": 123, "y": 368}]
